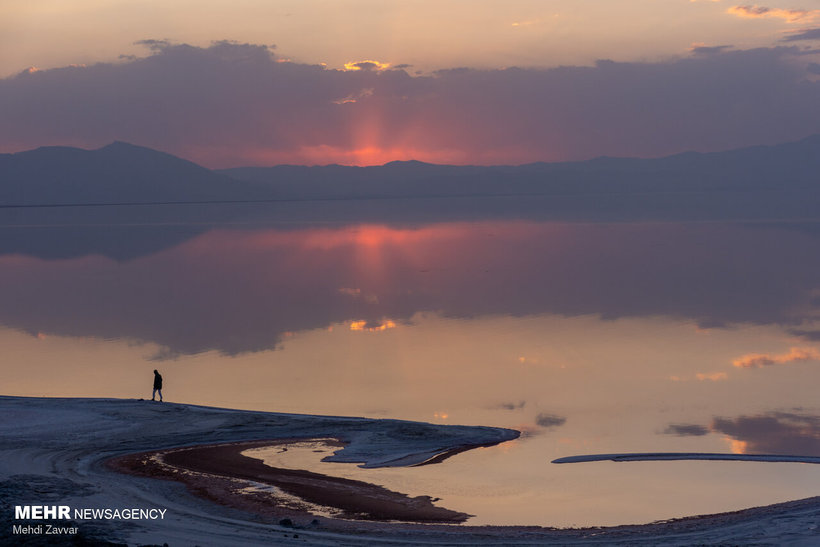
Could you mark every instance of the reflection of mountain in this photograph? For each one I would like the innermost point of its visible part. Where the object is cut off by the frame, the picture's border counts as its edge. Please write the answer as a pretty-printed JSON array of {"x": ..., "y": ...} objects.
[
  {"x": 235, "y": 277},
  {"x": 777, "y": 182},
  {"x": 116, "y": 174},
  {"x": 240, "y": 290}
]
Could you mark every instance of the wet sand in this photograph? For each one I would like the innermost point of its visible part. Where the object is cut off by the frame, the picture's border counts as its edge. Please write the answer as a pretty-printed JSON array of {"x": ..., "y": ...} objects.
[{"x": 221, "y": 473}]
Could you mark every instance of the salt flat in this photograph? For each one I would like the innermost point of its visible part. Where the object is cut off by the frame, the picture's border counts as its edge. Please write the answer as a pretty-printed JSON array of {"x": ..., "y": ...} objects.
[{"x": 53, "y": 453}]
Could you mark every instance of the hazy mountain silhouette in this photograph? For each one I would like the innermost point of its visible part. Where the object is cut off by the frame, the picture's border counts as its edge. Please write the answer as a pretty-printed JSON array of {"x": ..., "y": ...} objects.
[
  {"x": 68, "y": 185},
  {"x": 82, "y": 190},
  {"x": 124, "y": 173},
  {"x": 117, "y": 173},
  {"x": 763, "y": 182},
  {"x": 786, "y": 167},
  {"x": 218, "y": 291}
]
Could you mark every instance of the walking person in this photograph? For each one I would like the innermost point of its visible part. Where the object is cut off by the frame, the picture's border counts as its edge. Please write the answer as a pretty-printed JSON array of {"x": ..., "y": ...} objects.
[{"x": 157, "y": 386}]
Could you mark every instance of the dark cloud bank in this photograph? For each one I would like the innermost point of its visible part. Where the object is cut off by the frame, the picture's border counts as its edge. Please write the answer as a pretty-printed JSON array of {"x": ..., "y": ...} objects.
[{"x": 233, "y": 104}]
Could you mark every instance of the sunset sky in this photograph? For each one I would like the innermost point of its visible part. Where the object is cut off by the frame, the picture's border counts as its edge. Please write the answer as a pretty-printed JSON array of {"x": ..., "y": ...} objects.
[{"x": 258, "y": 82}]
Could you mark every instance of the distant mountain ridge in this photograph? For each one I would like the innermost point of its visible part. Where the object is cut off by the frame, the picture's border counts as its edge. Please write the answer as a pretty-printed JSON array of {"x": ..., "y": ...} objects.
[
  {"x": 60, "y": 202},
  {"x": 116, "y": 173},
  {"x": 793, "y": 165},
  {"x": 125, "y": 173}
]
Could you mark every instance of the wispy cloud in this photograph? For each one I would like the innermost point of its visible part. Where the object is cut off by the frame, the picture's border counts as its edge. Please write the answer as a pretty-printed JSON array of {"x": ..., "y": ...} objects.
[
  {"x": 525, "y": 23},
  {"x": 154, "y": 45},
  {"x": 758, "y": 12},
  {"x": 700, "y": 48},
  {"x": 806, "y": 34},
  {"x": 355, "y": 97},
  {"x": 758, "y": 360},
  {"x": 808, "y": 334}
]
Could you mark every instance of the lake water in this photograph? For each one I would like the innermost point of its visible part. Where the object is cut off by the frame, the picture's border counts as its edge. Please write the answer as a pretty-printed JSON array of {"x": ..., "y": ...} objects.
[{"x": 589, "y": 337}]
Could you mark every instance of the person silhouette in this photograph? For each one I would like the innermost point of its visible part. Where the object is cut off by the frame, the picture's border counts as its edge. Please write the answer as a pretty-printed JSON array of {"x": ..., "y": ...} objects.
[{"x": 157, "y": 386}]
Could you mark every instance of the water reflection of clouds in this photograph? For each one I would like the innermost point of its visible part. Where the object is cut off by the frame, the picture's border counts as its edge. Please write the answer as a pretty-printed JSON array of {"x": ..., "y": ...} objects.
[
  {"x": 240, "y": 291},
  {"x": 776, "y": 433},
  {"x": 550, "y": 420},
  {"x": 511, "y": 406},
  {"x": 773, "y": 433},
  {"x": 687, "y": 430}
]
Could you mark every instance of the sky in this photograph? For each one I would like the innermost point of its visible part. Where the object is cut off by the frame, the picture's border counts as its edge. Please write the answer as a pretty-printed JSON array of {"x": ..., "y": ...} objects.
[{"x": 258, "y": 82}]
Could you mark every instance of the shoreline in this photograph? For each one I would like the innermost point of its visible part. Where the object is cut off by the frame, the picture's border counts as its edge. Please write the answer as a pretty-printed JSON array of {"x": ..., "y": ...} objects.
[
  {"x": 221, "y": 473},
  {"x": 54, "y": 451}
]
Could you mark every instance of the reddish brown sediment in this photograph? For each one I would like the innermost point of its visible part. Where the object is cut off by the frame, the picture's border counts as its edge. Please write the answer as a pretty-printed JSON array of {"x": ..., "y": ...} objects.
[{"x": 222, "y": 474}]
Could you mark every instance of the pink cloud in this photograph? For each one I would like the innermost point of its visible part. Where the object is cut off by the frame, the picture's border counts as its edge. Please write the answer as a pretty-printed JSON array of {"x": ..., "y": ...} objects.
[
  {"x": 758, "y": 360},
  {"x": 790, "y": 15}
]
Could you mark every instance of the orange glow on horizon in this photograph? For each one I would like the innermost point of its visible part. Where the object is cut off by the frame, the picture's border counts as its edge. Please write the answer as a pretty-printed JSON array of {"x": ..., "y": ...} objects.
[
  {"x": 379, "y": 155},
  {"x": 369, "y": 146}
]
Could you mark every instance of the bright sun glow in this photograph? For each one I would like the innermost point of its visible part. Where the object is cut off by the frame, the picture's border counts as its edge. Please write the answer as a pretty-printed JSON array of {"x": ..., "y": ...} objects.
[
  {"x": 367, "y": 64},
  {"x": 366, "y": 327}
]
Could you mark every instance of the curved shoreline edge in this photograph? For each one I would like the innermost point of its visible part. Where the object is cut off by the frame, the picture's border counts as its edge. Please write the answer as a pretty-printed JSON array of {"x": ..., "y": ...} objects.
[
  {"x": 52, "y": 450},
  {"x": 221, "y": 473}
]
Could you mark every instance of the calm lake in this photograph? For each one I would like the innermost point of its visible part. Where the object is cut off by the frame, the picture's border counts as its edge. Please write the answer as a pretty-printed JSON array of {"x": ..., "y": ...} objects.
[{"x": 588, "y": 337}]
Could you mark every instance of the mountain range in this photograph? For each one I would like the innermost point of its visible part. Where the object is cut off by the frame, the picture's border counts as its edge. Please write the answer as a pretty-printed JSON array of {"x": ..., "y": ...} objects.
[{"x": 122, "y": 173}]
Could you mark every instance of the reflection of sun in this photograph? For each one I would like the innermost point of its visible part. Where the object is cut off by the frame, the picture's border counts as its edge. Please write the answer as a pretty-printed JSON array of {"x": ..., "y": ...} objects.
[{"x": 736, "y": 446}]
